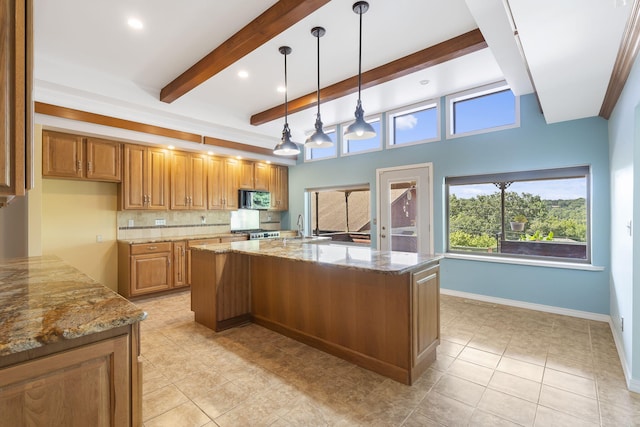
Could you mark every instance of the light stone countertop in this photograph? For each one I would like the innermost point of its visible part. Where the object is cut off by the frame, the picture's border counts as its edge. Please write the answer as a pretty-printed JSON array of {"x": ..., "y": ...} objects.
[
  {"x": 44, "y": 300},
  {"x": 321, "y": 252}
]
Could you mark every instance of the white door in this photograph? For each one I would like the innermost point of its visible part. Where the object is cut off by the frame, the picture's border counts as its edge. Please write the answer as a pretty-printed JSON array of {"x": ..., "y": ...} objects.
[{"x": 405, "y": 208}]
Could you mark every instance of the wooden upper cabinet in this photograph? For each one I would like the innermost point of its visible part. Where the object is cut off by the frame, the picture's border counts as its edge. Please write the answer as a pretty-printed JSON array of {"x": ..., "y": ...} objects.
[
  {"x": 16, "y": 106},
  {"x": 145, "y": 184},
  {"x": 73, "y": 156},
  {"x": 232, "y": 173},
  {"x": 215, "y": 183},
  {"x": 62, "y": 155},
  {"x": 223, "y": 180},
  {"x": 188, "y": 181},
  {"x": 103, "y": 160},
  {"x": 261, "y": 176},
  {"x": 279, "y": 187},
  {"x": 245, "y": 178}
]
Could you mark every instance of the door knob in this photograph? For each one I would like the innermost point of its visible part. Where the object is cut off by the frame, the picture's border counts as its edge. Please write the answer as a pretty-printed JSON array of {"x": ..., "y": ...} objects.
[{"x": 383, "y": 235}]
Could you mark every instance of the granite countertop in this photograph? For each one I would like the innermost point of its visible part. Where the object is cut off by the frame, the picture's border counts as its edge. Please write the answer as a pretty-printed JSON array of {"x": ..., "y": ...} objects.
[
  {"x": 44, "y": 300},
  {"x": 179, "y": 238},
  {"x": 319, "y": 251}
]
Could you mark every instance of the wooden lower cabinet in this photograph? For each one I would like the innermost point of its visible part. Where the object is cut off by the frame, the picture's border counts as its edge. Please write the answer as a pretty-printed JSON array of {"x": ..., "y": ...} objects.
[
  {"x": 93, "y": 384},
  {"x": 144, "y": 268},
  {"x": 180, "y": 278},
  {"x": 220, "y": 289},
  {"x": 190, "y": 243}
]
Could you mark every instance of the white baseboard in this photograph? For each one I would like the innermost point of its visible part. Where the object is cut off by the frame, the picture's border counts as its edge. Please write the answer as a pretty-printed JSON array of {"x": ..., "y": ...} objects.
[
  {"x": 529, "y": 305},
  {"x": 632, "y": 384}
]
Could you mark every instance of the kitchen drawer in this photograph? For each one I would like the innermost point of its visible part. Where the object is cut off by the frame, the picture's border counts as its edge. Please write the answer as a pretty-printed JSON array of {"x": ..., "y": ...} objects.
[{"x": 150, "y": 248}]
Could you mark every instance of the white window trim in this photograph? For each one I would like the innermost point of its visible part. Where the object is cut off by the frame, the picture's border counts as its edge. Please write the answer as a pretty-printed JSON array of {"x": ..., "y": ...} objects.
[
  {"x": 424, "y": 105},
  {"x": 336, "y": 145},
  {"x": 475, "y": 93},
  {"x": 368, "y": 119}
]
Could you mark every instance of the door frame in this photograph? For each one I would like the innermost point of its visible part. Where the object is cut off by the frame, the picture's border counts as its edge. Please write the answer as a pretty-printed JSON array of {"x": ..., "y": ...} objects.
[{"x": 429, "y": 167}]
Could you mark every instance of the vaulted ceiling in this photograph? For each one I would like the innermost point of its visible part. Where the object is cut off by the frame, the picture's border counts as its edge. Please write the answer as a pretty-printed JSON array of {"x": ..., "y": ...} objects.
[{"x": 88, "y": 58}]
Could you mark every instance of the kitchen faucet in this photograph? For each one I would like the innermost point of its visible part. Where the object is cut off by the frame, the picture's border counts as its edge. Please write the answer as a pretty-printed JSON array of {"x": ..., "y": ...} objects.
[{"x": 300, "y": 225}]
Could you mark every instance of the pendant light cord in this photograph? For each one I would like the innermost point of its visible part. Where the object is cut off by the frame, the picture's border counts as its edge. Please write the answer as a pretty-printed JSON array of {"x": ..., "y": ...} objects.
[
  {"x": 318, "y": 86},
  {"x": 286, "y": 89},
  {"x": 360, "y": 57}
]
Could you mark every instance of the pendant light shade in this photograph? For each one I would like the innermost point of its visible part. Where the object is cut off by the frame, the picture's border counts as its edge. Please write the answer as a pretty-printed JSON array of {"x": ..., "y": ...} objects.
[
  {"x": 360, "y": 129},
  {"x": 318, "y": 139},
  {"x": 286, "y": 147}
]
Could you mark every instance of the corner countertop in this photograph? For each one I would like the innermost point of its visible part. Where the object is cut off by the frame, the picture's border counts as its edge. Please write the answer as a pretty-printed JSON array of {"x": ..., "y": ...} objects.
[
  {"x": 321, "y": 252},
  {"x": 44, "y": 300}
]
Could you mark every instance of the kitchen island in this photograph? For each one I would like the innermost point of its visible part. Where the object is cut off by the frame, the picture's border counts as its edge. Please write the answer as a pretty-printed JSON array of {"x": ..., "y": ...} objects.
[
  {"x": 69, "y": 348},
  {"x": 377, "y": 309}
]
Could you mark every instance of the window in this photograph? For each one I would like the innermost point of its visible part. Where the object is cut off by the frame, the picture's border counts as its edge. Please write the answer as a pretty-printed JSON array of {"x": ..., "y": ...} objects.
[
  {"x": 311, "y": 154},
  {"x": 540, "y": 214},
  {"x": 358, "y": 146},
  {"x": 486, "y": 109},
  {"x": 342, "y": 213},
  {"x": 414, "y": 124}
]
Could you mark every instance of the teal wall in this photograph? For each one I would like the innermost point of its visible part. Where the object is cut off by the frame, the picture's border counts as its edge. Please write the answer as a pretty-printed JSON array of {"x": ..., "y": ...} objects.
[{"x": 534, "y": 145}]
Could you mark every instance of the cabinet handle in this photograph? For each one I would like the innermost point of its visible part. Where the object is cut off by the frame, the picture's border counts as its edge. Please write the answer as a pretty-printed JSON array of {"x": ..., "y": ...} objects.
[
  {"x": 88, "y": 166},
  {"x": 78, "y": 165},
  {"x": 152, "y": 248},
  {"x": 183, "y": 251}
]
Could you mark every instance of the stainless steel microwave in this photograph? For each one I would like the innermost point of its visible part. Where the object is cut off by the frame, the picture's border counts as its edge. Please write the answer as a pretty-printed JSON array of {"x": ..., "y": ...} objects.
[{"x": 250, "y": 199}]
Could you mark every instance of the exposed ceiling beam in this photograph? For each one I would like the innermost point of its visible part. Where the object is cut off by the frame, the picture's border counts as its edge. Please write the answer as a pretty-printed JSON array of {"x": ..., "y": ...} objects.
[
  {"x": 450, "y": 49},
  {"x": 269, "y": 24}
]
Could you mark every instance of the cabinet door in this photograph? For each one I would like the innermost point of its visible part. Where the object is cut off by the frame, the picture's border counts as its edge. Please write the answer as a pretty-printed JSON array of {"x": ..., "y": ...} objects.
[
  {"x": 133, "y": 183},
  {"x": 179, "y": 264},
  {"x": 279, "y": 187},
  {"x": 104, "y": 160},
  {"x": 232, "y": 183},
  {"x": 62, "y": 155},
  {"x": 157, "y": 179},
  {"x": 245, "y": 178},
  {"x": 426, "y": 318},
  {"x": 215, "y": 183},
  {"x": 150, "y": 272},
  {"x": 198, "y": 197},
  {"x": 180, "y": 176},
  {"x": 16, "y": 106},
  {"x": 261, "y": 176},
  {"x": 85, "y": 386}
]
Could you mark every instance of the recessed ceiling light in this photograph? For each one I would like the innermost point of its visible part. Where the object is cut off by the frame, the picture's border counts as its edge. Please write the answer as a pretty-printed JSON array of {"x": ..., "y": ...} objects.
[
  {"x": 171, "y": 147},
  {"x": 281, "y": 89},
  {"x": 210, "y": 153},
  {"x": 424, "y": 82},
  {"x": 268, "y": 162},
  {"x": 243, "y": 74},
  {"x": 239, "y": 157},
  {"x": 135, "y": 23}
]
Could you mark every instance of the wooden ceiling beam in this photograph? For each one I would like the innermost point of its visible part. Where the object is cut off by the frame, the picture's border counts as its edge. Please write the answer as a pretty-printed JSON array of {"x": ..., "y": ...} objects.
[
  {"x": 450, "y": 49},
  {"x": 269, "y": 24}
]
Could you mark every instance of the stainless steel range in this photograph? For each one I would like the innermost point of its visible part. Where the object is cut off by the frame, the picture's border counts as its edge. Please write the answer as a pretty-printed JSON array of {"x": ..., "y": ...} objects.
[{"x": 261, "y": 234}]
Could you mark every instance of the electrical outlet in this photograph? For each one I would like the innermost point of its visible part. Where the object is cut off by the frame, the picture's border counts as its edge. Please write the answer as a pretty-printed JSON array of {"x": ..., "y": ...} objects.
[
  {"x": 621, "y": 324},
  {"x": 98, "y": 238},
  {"x": 161, "y": 221},
  {"x": 131, "y": 222}
]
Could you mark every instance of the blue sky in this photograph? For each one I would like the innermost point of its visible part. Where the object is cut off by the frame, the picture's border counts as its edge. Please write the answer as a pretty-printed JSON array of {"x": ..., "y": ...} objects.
[{"x": 566, "y": 189}]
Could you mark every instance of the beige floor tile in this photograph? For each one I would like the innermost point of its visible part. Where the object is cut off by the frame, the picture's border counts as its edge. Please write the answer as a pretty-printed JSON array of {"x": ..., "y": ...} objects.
[
  {"x": 582, "y": 369},
  {"x": 570, "y": 403},
  {"x": 417, "y": 419},
  {"x": 459, "y": 389},
  {"x": 256, "y": 411},
  {"x": 152, "y": 378},
  {"x": 614, "y": 415},
  {"x": 515, "y": 386},
  {"x": 470, "y": 371},
  {"x": 221, "y": 399},
  {"x": 200, "y": 384},
  {"x": 160, "y": 401},
  {"x": 443, "y": 362},
  {"x": 449, "y": 348},
  {"x": 492, "y": 344},
  {"x": 481, "y": 418},
  {"x": 185, "y": 415},
  {"x": 522, "y": 369},
  {"x": 570, "y": 382},
  {"x": 509, "y": 407},
  {"x": 445, "y": 410},
  {"x": 547, "y": 417},
  {"x": 479, "y": 357}
]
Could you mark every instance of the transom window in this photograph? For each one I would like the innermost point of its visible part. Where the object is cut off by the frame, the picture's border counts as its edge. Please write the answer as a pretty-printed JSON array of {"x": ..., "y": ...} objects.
[
  {"x": 415, "y": 124},
  {"x": 532, "y": 214},
  {"x": 485, "y": 109}
]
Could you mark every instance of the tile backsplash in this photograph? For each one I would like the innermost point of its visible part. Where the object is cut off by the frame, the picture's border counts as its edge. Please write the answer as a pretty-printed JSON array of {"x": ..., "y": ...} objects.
[{"x": 142, "y": 224}]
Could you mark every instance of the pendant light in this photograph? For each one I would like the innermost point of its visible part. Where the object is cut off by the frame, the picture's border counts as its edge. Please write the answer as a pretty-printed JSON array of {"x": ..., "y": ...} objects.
[
  {"x": 360, "y": 129},
  {"x": 286, "y": 147},
  {"x": 318, "y": 139}
]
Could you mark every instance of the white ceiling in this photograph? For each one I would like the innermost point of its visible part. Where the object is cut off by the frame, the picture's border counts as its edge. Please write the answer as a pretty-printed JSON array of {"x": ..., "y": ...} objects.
[{"x": 86, "y": 57}]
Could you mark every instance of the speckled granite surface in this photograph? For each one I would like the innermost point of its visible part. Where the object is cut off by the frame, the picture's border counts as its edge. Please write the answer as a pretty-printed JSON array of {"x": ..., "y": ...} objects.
[
  {"x": 44, "y": 300},
  {"x": 176, "y": 238},
  {"x": 361, "y": 258}
]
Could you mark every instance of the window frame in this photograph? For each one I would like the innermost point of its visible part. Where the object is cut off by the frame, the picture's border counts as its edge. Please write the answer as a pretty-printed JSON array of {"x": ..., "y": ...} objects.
[
  {"x": 478, "y": 92},
  {"x": 530, "y": 175},
  {"x": 343, "y": 141},
  {"x": 327, "y": 130},
  {"x": 420, "y": 106}
]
